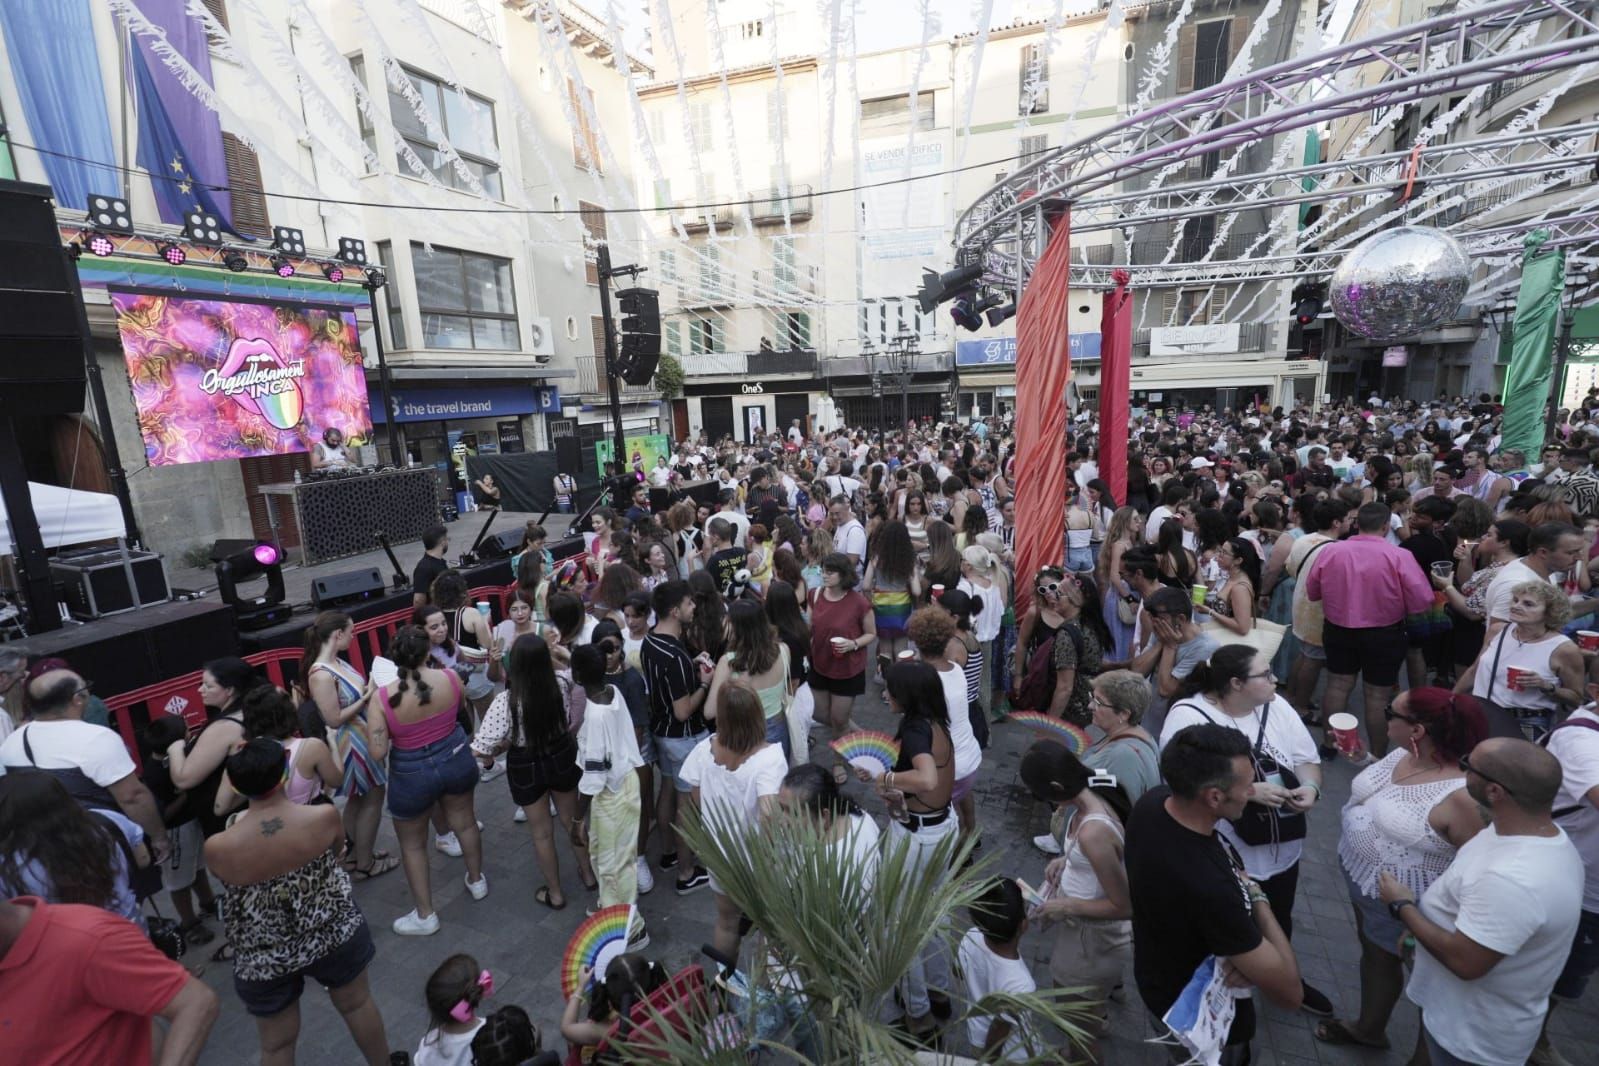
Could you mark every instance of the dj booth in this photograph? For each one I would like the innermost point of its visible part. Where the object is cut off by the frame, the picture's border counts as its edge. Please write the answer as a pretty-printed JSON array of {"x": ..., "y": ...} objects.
[{"x": 339, "y": 512}]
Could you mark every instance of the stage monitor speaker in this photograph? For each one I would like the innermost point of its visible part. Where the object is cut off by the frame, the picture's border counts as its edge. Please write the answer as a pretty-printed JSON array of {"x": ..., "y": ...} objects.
[
  {"x": 565, "y": 548},
  {"x": 42, "y": 324},
  {"x": 501, "y": 545},
  {"x": 352, "y": 586},
  {"x": 569, "y": 454}
]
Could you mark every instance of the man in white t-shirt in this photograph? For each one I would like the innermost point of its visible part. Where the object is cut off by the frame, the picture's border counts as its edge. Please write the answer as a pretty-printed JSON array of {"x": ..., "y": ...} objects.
[
  {"x": 89, "y": 761},
  {"x": 849, "y": 536},
  {"x": 727, "y": 504},
  {"x": 1494, "y": 930},
  {"x": 1553, "y": 547},
  {"x": 1575, "y": 745}
]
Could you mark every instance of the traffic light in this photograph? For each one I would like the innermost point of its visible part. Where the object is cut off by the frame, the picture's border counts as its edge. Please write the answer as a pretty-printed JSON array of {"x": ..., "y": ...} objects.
[
  {"x": 1308, "y": 298},
  {"x": 640, "y": 348},
  {"x": 937, "y": 288}
]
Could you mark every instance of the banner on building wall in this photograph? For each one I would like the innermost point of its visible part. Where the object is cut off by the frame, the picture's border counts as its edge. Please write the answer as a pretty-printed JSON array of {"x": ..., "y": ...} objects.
[
  {"x": 230, "y": 379},
  {"x": 642, "y": 451},
  {"x": 896, "y": 240}
]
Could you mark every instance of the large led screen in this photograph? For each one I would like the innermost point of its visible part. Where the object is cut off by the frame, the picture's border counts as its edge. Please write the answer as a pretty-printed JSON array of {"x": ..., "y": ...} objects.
[{"x": 229, "y": 379}]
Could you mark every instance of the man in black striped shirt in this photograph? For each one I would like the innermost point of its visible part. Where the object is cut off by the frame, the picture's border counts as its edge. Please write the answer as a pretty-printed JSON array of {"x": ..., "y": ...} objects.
[{"x": 678, "y": 685}]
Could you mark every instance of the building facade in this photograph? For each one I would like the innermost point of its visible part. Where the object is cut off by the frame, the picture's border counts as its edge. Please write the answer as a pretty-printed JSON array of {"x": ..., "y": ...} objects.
[{"x": 428, "y": 133}]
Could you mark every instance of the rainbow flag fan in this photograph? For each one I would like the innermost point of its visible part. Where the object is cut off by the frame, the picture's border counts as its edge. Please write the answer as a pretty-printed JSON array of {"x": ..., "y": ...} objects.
[
  {"x": 868, "y": 749},
  {"x": 1061, "y": 732},
  {"x": 601, "y": 938}
]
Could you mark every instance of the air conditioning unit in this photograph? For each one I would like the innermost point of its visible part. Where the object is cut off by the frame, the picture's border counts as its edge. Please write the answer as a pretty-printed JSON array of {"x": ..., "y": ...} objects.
[{"x": 542, "y": 337}]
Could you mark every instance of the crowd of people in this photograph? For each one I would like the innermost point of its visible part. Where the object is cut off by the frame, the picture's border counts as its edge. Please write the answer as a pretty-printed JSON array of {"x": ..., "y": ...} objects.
[{"x": 699, "y": 658}]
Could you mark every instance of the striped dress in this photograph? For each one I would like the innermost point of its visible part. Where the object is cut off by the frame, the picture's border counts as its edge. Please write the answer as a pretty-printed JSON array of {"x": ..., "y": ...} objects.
[{"x": 362, "y": 773}]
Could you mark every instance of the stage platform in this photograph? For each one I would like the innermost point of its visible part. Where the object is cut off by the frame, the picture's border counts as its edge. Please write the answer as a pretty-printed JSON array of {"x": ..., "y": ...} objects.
[
  {"x": 297, "y": 579},
  {"x": 123, "y": 652}
]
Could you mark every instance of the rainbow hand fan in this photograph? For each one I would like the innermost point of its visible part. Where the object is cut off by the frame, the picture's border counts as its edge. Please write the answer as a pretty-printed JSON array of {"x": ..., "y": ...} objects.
[
  {"x": 601, "y": 938},
  {"x": 868, "y": 749},
  {"x": 1072, "y": 736}
]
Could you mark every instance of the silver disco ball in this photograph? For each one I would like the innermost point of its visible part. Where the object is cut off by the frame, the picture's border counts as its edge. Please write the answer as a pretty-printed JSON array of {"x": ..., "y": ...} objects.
[{"x": 1400, "y": 282}]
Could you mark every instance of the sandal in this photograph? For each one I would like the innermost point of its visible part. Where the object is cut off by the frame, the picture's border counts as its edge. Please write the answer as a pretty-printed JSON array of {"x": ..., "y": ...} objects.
[
  {"x": 195, "y": 934},
  {"x": 1333, "y": 1031},
  {"x": 591, "y": 886},
  {"x": 382, "y": 863},
  {"x": 542, "y": 896},
  {"x": 223, "y": 953}
]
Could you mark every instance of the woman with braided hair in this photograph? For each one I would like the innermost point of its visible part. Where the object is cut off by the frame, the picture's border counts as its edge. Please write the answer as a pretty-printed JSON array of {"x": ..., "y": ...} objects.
[{"x": 429, "y": 762}]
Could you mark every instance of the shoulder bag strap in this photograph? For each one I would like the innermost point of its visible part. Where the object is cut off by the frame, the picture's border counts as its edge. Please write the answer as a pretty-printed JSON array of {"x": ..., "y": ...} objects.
[
  {"x": 27, "y": 748},
  {"x": 1499, "y": 649}
]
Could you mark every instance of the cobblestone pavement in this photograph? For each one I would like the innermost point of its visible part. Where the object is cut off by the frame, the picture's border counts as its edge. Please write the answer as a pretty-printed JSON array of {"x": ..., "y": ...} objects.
[{"x": 522, "y": 942}]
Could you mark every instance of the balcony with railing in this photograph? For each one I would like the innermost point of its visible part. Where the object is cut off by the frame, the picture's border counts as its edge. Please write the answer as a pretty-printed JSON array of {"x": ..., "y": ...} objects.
[
  {"x": 693, "y": 219},
  {"x": 591, "y": 382},
  {"x": 769, "y": 208}
]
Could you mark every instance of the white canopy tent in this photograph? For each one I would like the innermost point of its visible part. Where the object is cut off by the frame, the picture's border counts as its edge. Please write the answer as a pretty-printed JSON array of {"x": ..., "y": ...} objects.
[{"x": 68, "y": 516}]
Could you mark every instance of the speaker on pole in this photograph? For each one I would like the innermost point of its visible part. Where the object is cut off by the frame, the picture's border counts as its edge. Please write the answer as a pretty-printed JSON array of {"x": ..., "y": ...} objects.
[
  {"x": 41, "y": 306},
  {"x": 568, "y": 454}
]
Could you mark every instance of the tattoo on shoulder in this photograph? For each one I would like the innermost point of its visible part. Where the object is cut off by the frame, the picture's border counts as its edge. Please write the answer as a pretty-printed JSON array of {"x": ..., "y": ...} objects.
[{"x": 270, "y": 826}]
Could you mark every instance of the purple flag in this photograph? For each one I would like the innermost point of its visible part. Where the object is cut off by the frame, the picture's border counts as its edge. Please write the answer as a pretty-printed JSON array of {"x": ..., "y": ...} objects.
[{"x": 195, "y": 124}]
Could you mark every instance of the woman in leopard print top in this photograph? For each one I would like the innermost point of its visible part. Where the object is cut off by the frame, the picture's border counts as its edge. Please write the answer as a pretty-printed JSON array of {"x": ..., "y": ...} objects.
[{"x": 288, "y": 911}]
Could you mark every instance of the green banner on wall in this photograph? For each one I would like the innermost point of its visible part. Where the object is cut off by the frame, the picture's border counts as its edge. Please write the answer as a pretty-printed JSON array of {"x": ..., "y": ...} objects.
[{"x": 1532, "y": 349}]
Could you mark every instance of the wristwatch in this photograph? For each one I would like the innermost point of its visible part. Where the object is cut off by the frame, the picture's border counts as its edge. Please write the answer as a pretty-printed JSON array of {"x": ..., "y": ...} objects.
[{"x": 1398, "y": 905}]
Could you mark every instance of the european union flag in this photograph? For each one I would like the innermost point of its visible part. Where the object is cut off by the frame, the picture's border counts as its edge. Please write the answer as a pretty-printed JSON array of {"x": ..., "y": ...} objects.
[{"x": 163, "y": 155}]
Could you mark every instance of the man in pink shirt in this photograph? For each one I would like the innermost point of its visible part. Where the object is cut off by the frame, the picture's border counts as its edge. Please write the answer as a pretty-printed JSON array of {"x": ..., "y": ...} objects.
[{"x": 1367, "y": 587}]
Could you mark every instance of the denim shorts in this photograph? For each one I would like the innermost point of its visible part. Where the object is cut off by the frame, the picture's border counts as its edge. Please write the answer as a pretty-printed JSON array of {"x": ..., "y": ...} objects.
[
  {"x": 1583, "y": 961},
  {"x": 777, "y": 733},
  {"x": 671, "y": 752},
  {"x": 334, "y": 970},
  {"x": 419, "y": 776}
]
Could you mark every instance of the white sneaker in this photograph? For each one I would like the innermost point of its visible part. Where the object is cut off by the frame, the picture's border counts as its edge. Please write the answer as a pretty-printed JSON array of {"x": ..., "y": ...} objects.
[
  {"x": 447, "y": 843},
  {"x": 646, "y": 880},
  {"x": 478, "y": 888},
  {"x": 413, "y": 925},
  {"x": 554, "y": 811},
  {"x": 1047, "y": 843},
  {"x": 492, "y": 772},
  {"x": 520, "y": 816}
]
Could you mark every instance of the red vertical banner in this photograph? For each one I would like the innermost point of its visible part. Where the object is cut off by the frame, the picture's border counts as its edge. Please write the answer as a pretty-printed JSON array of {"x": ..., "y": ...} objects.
[
  {"x": 1115, "y": 376},
  {"x": 1043, "y": 368}
]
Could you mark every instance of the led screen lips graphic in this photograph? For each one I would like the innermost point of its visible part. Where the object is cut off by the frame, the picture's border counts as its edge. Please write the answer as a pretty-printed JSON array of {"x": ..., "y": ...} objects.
[{"x": 258, "y": 380}]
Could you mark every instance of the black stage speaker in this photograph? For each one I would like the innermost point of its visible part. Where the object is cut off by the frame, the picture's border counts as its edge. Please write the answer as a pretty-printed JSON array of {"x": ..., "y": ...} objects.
[
  {"x": 43, "y": 329},
  {"x": 501, "y": 545},
  {"x": 565, "y": 548},
  {"x": 661, "y": 499},
  {"x": 352, "y": 586},
  {"x": 569, "y": 454}
]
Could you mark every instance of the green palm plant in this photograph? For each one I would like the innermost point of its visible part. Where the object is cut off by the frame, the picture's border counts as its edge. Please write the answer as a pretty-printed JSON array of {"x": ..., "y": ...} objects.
[{"x": 843, "y": 939}]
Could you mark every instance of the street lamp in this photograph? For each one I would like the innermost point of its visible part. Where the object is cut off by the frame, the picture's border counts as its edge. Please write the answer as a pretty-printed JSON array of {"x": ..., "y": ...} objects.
[
  {"x": 870, "y": 354},
  {"x": 902, "y": 353}
]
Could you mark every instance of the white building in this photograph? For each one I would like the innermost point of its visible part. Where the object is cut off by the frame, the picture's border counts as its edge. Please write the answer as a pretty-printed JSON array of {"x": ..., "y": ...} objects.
[{"x": 487, "y": 306}]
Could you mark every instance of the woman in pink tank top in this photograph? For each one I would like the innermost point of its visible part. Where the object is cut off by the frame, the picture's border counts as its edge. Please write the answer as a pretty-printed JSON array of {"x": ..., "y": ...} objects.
[{"x": 429, "y": 763}]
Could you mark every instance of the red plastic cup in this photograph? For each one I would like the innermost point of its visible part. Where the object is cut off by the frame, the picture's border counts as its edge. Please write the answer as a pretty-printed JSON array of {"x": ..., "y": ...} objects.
[
  {"x": 1588, "y": 640},
  {"x": 1345, "y": 730}
]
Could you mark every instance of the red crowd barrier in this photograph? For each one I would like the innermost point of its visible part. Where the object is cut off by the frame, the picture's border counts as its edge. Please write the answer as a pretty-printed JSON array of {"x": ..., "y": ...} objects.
[{"x": 281, "y": 666}]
